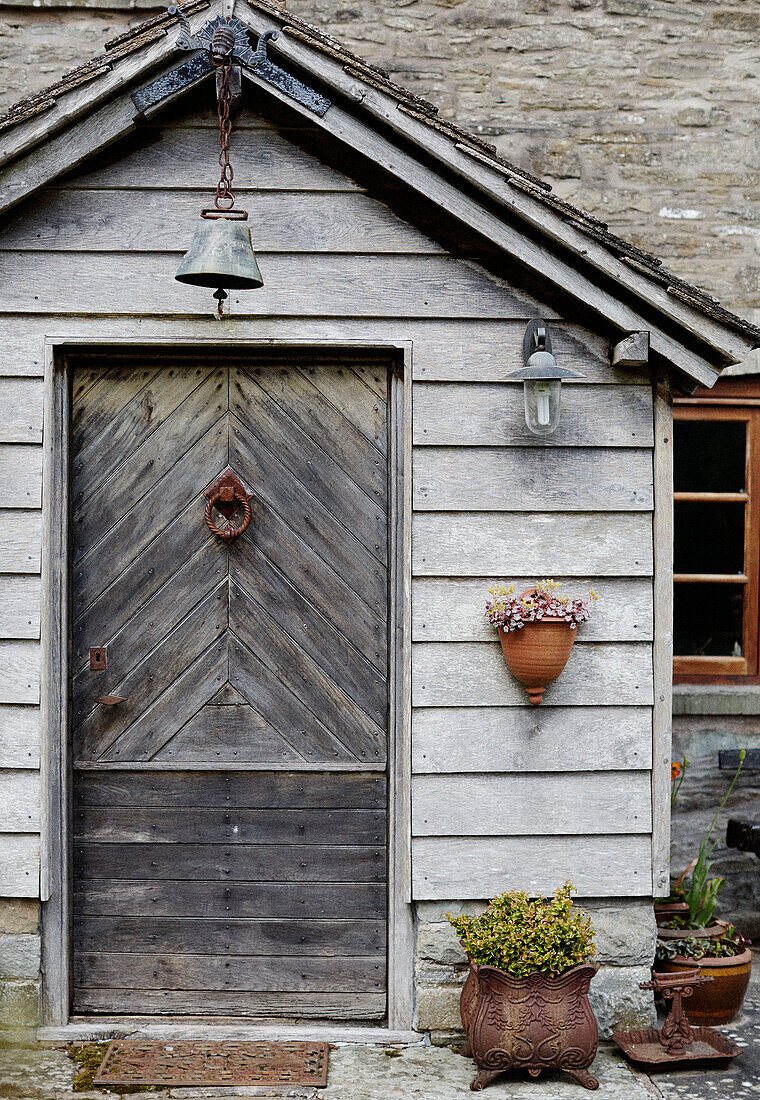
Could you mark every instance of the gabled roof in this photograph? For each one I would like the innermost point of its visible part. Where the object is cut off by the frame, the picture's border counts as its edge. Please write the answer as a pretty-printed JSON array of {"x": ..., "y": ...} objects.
[{"x": 625, "y": 287}]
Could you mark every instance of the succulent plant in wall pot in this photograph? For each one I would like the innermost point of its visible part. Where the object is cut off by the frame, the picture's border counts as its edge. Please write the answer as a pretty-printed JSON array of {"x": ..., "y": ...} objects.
[{"x": 537, "y": 630}]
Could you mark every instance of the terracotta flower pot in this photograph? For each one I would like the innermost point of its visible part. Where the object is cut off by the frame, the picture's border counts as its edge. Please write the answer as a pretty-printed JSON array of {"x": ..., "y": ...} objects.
[
  {"x": 718, "y": 1001},
  {"x": 531, "y": 1023},
  {"x": 665, "y": 911},
  {"x": 710, "y": 933},
  {"x": 537, "y": 653}
]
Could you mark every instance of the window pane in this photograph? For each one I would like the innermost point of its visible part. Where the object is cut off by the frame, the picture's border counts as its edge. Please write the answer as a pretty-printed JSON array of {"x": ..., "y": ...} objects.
[
  {"x": 707, "y": 620},
  {"x": 708, "y": 538},
  {"x": 709, "y": 456}
]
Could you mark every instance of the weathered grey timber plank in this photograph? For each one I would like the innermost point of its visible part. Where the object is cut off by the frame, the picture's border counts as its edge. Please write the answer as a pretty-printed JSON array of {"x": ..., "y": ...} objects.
[
  {"x": 346, "y": 390},
  {"x": 339, "y": 549},
  {"x": 480, "y": 867},
  {"x": 98, "y": 732},
  {"x": 21, "y": 475},
  {"x": 20, "y": 541},
  {"x": 362, "y": 509},
  {"x": 323, "y": 285},
  {"x": 242, "y": 862},
  {"x": 150, "y": 422},
  {"x": 252, "y": 790},
  {"x": 361, "y": 730},
  {"x": 20, "y": 672},
  {"x": 20, "y": 799},
  {"x": 531, "y": 739},
  {"x": 483, "y": 544},
  {"x": 178, "y": 157},
  {"x": 567, "y": 479},
  {"x": 20, "y": 731},
  {"x": 451, "y": 674},
  {"x": 363, "y": 677},
  {"x": 99, "y": 391},
  {"x": 259, "y": 900},
  {"x": 229, "y": 936},
  {"x": 332, "y": 1006},
  {"x": 453, "y": 610},
  {"x": 19, "y": 607},
  {"x": 631, "y": 351},
  {"x": 191, "y": 825},
  {"x": 233, "y": 734},
  {"x": 663, "y": 644},
  {"x": 312, "y": 737},
  {"x": 21, "y": 401},
  {"x": 285, "y": 220},
  {"x": 159, "y": 719},
  {"x": 138, "y": 627},
  {"x": 562, "y": 803},
  {"x": 333, "y": 431},
  {"x": 20, "y": 865},
  {"x": 483, "y": 414}
]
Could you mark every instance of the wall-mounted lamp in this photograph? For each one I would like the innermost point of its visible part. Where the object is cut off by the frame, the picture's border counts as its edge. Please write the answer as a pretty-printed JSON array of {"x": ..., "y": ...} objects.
[{"x": 542, "y": 380}]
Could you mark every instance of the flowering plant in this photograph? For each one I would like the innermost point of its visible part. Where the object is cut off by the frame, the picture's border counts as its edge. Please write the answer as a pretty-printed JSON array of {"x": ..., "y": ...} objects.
[
  {"x": 726, "y": 946},
  {"x": 519, "y": 935},
  {"x": 511, "y": 612}
]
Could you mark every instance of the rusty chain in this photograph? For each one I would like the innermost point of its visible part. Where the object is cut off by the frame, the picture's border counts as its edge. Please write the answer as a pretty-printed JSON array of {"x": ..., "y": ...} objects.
[{"x": 222, "y": 59}]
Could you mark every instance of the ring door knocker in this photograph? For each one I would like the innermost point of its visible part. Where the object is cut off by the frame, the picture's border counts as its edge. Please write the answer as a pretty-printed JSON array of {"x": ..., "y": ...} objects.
[{"x": 228, "y": 496}]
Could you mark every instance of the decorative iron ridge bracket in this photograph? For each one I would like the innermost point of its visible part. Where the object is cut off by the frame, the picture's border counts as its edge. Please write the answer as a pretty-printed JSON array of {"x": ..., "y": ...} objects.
[{"x": 184, "y": 76}]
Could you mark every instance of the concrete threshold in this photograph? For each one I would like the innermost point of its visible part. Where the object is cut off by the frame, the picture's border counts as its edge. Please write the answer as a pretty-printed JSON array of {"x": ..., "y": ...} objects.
[{"x": 127, "y": 1027}]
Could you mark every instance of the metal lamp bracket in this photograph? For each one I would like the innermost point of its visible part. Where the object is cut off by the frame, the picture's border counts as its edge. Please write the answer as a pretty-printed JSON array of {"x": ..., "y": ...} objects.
[
  {"x": 536, "y": 338},
  {"x": 256, "y": 60}
]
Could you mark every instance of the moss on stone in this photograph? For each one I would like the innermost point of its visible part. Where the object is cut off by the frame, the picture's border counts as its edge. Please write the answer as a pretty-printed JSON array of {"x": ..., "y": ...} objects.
[{"x": 88, "y": 1058}]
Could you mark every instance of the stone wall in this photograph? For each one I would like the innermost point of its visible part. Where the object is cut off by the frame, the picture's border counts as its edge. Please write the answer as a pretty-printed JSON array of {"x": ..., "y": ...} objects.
[
  {"x": 705, "y": 721},
  {"x": 19, "y": 966},
  {"x": 644, "y": 111},
  {"x": 625, "y": 940}
]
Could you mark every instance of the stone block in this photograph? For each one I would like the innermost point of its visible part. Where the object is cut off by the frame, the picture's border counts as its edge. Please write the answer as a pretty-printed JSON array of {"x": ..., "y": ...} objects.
[
  {"x": 19, "y": 956},
  {"x": 625, "y": 934},
  {"x": 617, "y": 1001},
  {"x": 438, "y": 1008},
  {"x": 19, "y": 915},
  {"x": 438, "y": 943},
  {"x": 20, "y": 1004}
]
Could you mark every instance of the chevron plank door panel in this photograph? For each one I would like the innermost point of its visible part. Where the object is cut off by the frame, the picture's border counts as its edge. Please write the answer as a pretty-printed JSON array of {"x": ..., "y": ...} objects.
[{"x": 230, "y": 813}]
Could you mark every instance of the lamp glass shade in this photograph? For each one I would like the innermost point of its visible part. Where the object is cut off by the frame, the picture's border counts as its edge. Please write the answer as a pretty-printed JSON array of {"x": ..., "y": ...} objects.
[{"x": 542, "y": 404}]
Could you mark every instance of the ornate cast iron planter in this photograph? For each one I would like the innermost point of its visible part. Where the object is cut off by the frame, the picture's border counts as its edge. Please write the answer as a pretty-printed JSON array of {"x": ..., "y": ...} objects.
[{"x": 532, "y": 1023}]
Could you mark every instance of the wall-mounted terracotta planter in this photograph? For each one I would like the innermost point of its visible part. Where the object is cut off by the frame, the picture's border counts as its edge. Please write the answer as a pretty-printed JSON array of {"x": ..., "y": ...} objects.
[
  {"x": 537, "y": 653},
  {"x": 533, "y": 1023},
  {"x": 718, "y": 1001}
]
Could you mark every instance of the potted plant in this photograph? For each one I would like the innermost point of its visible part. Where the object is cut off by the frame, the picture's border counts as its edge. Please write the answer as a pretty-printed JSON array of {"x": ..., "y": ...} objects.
[
  {"x": 725, "y": 958},
  {"x": 699, "y": 899},
  {"x": 525, "y": 1002},
  {"x": 536, "y": 630}
]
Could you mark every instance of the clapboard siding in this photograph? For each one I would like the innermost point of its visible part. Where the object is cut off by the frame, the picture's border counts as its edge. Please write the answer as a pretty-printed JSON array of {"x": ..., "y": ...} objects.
[
  {"x": 19, "y": 865},
  {"x": 21, "y": 475},
  {"x": 19, "y": 607},
  {"x": 20, "y": 541},
  {"x": 20, "y": 800},
  {"x": 21, "y": 405},
  {"x": 480, "y": 544},
  {"x": 479, "y": 867},
  {"x": 450, "y": 609},
  {"x": 460, "y": 674},
  {"x": 19, "y": 672},
  {"x": 110, "y": 221},
  {"x": 531, "y": 804},
  {"x": 20, "y": 730},
  {"x": 491, "y": 414},
  {"x": 531, "y": 739},
  {"x": 461, "y": 479}
]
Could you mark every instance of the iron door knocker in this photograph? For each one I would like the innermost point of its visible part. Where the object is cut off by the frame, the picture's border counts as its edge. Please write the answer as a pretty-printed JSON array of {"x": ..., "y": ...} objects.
[{"x": 228, "y": 495}]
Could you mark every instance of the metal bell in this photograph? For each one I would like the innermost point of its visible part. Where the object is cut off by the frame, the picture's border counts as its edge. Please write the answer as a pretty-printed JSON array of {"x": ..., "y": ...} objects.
[{"x": 221, "y": 255}]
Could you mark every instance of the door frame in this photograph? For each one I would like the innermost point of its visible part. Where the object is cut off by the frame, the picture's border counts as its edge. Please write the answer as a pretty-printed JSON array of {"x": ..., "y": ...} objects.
[{"x": 55, "y": 762}]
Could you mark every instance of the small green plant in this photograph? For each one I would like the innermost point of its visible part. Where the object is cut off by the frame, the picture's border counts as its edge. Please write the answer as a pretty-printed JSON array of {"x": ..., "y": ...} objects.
[
  {"x": 521, "y": 935},
  {"x": 701, "y": 895},
  {"x": 728, "y": 945}
]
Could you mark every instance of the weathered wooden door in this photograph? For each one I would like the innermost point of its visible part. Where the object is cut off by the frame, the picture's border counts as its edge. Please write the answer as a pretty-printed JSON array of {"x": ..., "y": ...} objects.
[{"x": 230, "y": 811}]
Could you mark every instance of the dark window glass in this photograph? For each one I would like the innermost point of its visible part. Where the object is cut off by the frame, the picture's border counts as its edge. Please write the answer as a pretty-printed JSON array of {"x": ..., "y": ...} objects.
[
  {"x": 707, "y": 620},
  {"x": 709, "y": 456},
  {"x": 708, "y": 538}
]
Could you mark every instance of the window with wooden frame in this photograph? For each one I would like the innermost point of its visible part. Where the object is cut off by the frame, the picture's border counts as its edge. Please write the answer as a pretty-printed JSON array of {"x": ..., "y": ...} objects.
[{"x": 716, "y": 551}]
